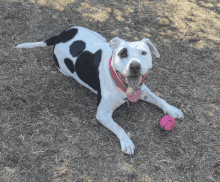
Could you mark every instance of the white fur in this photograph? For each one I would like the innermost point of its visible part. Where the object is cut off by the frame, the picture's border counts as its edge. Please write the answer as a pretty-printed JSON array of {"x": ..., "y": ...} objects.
[{"x": 32, "y": 45}]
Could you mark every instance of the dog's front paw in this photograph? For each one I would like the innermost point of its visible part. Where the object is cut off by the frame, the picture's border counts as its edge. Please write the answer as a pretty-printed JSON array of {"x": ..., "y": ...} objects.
[
  {"x": 127, "y": 145},
  {"x": 173, "y": 111}
]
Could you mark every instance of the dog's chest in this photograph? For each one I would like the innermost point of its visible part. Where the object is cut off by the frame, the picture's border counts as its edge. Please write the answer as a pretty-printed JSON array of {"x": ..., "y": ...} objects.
[{"x": 81, "y": 56}]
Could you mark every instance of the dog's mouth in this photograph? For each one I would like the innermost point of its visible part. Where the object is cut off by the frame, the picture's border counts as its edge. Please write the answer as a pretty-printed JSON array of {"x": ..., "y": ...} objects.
[{"x": 132, "y": 83}]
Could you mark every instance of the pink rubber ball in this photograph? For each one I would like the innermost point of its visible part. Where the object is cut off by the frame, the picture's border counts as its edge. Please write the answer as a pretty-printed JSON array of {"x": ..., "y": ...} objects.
[{"x": 167, "y": 122}]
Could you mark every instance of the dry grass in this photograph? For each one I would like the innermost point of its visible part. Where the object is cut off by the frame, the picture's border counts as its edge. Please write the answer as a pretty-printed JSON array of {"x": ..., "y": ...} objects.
[{"x": 48, "y": 130}]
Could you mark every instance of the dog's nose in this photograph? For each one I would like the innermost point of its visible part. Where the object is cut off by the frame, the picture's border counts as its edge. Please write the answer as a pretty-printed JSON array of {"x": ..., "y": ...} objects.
[{"x": 135, "y": 67}]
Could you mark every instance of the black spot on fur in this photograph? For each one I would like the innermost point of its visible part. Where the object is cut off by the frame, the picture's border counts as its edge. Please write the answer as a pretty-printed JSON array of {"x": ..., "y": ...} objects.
[
  {"x": 56, "y": 61},
  {"x": 86, "y": 67},
  {"x": 98, "y": 56},
  {"x": 69, "y": 64},
  {"x": 51, "y": 41},
  {"x": 99, "y": 98},
  {"x": 66, "y": 35},
  {"x": 77, "y": 48},
  {"x": 123, "y": 53}
]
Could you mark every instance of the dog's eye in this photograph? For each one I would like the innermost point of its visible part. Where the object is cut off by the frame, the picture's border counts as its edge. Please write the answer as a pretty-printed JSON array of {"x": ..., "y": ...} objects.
[
  {"x": 144, "y": 52},
  {"x": 123, "y": 53}
]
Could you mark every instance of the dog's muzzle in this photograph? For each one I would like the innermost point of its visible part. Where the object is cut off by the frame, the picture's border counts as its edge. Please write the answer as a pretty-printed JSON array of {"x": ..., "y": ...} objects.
[
  {"x": 130, "y": 79},
  {"x": 134, "y": 68}
]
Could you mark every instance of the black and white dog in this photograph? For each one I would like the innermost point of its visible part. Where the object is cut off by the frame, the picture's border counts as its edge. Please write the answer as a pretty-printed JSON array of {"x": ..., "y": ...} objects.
[{"x": 114, "y": 70}]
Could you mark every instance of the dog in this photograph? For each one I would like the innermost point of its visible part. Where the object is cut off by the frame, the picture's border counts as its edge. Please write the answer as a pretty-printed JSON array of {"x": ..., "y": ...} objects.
[{"x": 114, "y": 70}]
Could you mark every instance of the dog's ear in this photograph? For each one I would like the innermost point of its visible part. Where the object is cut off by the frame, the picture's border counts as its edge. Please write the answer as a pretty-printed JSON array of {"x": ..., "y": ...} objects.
[
  {"x": 151, "y": 46},
  {"x": 115, "y": 42}
]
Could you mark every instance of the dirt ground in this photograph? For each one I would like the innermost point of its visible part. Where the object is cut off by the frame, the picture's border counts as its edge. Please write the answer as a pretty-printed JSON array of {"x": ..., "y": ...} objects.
[{"x": 48, "y": 129}]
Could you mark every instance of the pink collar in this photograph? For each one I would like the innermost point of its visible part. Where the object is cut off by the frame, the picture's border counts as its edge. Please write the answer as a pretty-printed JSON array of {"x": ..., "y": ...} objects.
[{"x": 120, "y": 81}]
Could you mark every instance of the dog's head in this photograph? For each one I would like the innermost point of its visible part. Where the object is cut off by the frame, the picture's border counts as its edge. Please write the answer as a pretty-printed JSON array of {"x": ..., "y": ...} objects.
[{"x": 132, "y": 60}]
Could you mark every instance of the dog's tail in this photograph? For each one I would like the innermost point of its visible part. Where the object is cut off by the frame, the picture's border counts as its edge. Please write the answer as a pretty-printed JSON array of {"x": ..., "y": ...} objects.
[{"x": 48, "y": 42}]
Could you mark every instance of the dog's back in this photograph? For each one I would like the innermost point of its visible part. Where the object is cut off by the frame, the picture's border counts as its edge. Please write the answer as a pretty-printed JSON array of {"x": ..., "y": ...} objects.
[{"x": 78, "y": 52}]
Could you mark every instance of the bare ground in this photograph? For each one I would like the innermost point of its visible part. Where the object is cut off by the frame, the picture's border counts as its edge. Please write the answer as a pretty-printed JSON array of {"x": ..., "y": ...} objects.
[{"x": 48, "y": 129}]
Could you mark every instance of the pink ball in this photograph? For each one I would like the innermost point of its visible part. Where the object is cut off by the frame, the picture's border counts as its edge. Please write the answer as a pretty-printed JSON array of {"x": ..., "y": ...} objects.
[{"x": 167, "y": 122}]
